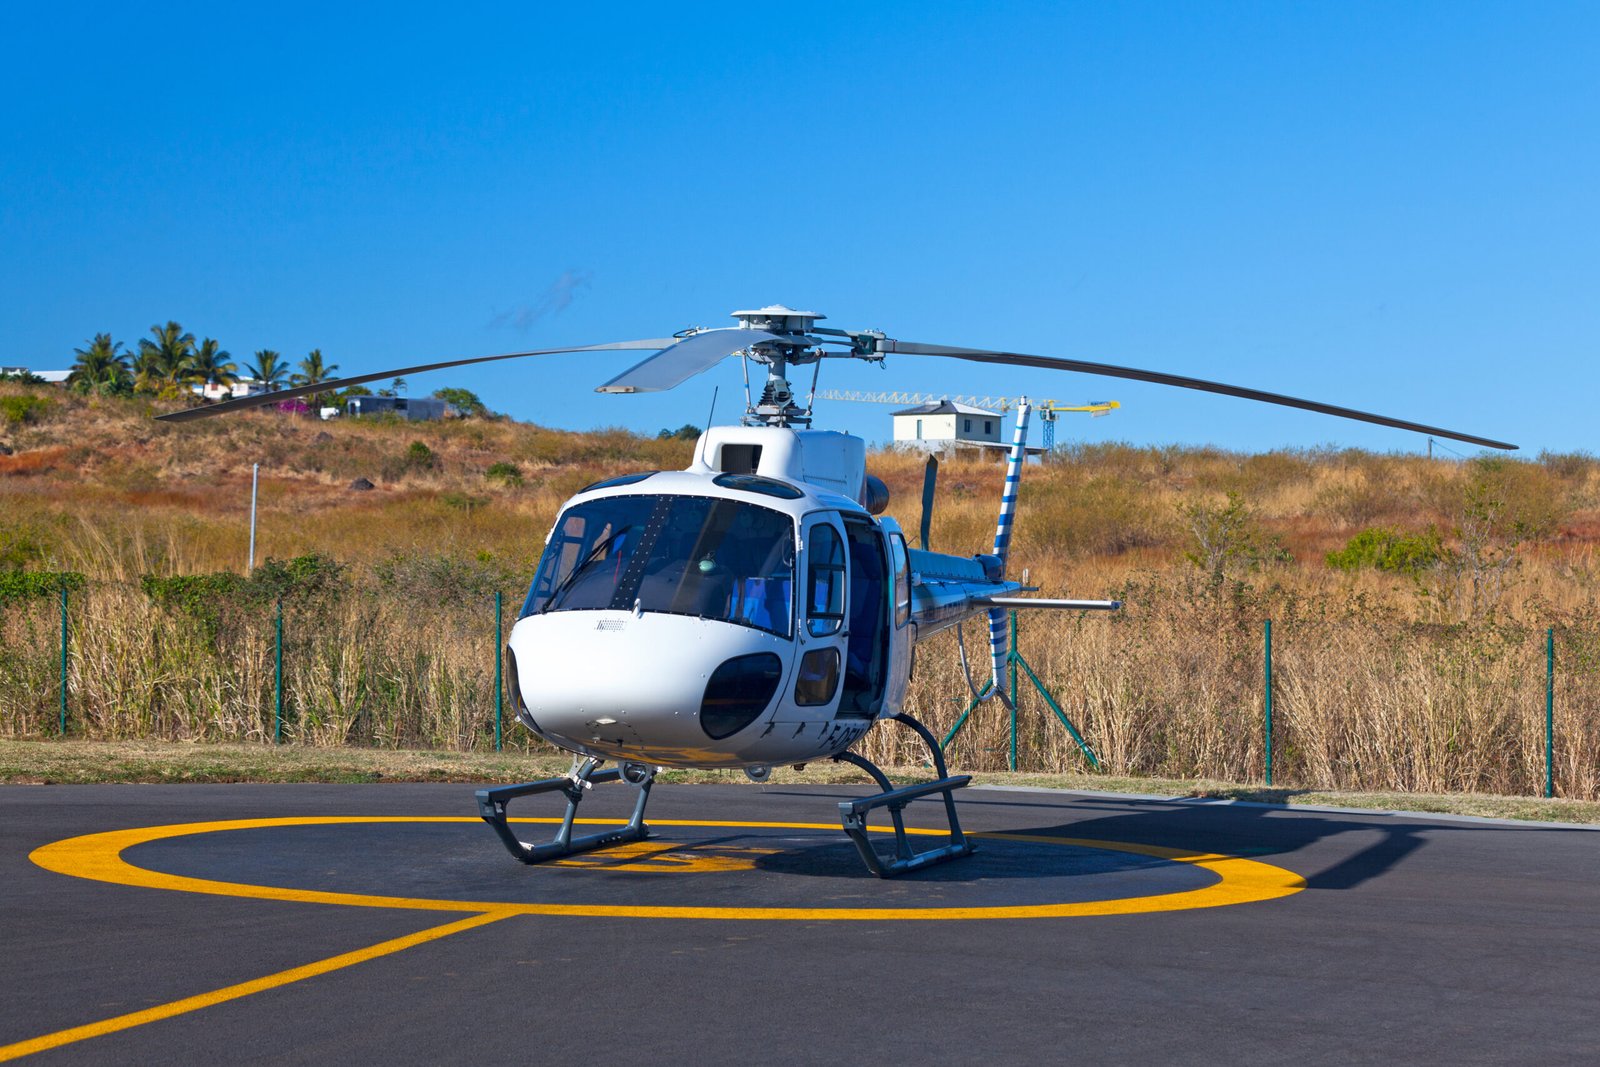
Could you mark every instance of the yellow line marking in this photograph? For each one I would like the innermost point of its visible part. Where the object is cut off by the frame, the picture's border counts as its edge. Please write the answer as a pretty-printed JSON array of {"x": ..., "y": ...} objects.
[
  {"x": 99, "y": 857},
  {"x": 243, "y": 989}
]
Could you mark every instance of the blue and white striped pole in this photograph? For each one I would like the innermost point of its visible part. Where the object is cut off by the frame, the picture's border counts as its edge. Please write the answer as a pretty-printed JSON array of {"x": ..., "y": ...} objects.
[{"x": 998, "y": 633}]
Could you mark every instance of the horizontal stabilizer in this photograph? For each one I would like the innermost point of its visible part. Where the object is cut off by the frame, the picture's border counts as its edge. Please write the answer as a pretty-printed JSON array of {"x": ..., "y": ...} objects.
[{"x": 1011, "y": 602}]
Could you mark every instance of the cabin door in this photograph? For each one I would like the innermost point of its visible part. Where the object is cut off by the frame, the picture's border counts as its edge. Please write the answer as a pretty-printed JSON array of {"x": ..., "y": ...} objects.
[{"x": 869, "y": 620}]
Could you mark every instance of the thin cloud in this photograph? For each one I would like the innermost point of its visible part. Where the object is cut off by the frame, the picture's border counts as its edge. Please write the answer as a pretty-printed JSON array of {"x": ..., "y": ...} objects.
[{"x": 557, "y": 297}]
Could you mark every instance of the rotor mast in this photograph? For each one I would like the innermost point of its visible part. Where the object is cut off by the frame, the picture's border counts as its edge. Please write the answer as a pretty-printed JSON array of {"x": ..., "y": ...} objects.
[{"x": 794, "y": 347}]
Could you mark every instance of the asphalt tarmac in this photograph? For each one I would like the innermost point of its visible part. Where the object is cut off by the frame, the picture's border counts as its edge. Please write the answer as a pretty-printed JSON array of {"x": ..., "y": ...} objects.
[{"x": 1091, "y": 929}]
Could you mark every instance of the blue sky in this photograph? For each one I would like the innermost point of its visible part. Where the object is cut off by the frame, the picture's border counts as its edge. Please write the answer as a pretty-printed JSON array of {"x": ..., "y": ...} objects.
[{"x": 1388, "y": 206}]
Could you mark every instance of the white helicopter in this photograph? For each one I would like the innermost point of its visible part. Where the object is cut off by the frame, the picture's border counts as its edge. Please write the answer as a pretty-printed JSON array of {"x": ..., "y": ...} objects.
[{"x": 755, "y": 609}]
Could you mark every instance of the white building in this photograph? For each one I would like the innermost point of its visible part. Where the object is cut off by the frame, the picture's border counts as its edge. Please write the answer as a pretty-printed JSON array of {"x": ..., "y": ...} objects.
[
  {"x": 53, "y": 377},
  {"x": 945, "y": 424},
  {"x": 241, "y": 387}
]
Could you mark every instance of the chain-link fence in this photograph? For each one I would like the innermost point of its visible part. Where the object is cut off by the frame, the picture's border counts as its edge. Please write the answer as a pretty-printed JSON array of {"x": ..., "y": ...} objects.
[{"x": 1173, "y": 688}]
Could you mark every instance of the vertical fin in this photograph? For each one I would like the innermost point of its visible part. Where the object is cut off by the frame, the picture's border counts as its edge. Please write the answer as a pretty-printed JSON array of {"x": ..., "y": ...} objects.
[
  {"x": 930, "y": 481},
  {"x": 998, "y": 632}
]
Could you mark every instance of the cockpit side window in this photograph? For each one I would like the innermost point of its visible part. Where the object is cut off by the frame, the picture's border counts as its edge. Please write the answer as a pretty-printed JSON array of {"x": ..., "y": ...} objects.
[
  {"x": 902, "y": 579},
  {"x": 824, "y": 581}
]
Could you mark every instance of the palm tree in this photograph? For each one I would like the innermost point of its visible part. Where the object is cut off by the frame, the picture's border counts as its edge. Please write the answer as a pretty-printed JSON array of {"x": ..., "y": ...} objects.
[
  {"x": 165, "y": 363},
  {"x": 314, "y": 372},
  {"x": 213, "y": 366},
  {"x": 101, "y": 368},
  {"x": 269, "y": 369}
]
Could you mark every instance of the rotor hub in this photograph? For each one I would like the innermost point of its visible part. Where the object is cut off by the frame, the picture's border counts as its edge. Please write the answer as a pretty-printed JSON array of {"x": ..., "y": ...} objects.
[{"x": 779, "y": 318}]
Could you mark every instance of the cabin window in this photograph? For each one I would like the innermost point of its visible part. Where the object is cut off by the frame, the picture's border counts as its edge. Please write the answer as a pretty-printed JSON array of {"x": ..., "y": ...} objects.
[
  {"x": 919, "y": 429},
  {"x": 741, "y": 459},
  {"x": 818, "y": 679},
  {"x": 714, "y": 559},
  {"x": 902, "y": 580},
  {"x": 988, "y": 426},
  {"x": 966, "y": 425},
  {"x": 824, "y": 581}
]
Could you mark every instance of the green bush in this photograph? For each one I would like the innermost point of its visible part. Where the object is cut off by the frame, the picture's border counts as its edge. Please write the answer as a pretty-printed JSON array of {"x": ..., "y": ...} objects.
[
  {"x": 197, "y": 595},
  {"x": 1389, "y": 550},
  {"x": 419, "y": 456},
  {"x": 17, "y": 586},
  {"x": 462, "y": 501},
  {"x": 509, "y": 473},
  {"x": 23, "y": 410},
  {"x": 306, "y": 582}
]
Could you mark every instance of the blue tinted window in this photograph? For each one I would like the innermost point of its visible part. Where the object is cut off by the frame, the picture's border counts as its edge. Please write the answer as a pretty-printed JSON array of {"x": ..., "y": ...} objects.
[
  {"x": 824, "y": 581},
  {"x": 681, "y": 555}
]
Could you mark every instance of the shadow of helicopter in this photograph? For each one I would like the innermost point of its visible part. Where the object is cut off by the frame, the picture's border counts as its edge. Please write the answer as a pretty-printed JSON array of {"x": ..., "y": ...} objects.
[{"x": 1256, "y": 829}]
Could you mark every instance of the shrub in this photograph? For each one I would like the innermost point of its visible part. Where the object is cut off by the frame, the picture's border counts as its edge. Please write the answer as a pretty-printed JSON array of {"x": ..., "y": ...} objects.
[
  {"x": 200, "y": 596},
  {"x": 463, "y": 501},
  {"x": 1388, "y": 550},
  {"x": 509, "y": 473},
  {"x": 1226, "y": 535},
  {"x": 17, "y": 586},
  {"x": 314, "y": 579},
  {"x": 419, "y": 456},
  {"x": 24, "y": 410},
  {"x": 437, "y": 580},
  {"x": 308, "y": 582}
]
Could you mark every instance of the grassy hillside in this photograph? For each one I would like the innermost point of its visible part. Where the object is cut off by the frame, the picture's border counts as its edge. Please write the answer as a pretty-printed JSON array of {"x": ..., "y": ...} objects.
[{"x": 1415, "y": 663}]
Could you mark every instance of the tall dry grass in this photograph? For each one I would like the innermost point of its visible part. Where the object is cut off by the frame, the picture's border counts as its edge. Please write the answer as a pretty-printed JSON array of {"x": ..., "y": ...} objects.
[{"x": 1382, "y": 680}]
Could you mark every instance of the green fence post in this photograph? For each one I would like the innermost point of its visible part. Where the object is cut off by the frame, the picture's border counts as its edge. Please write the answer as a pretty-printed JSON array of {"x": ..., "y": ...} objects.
[
  {"x": 1013, "y": 664},
  {"x": 962, "y": 720},
  {"x": 277, "y": 681},
  {"x": 63, "y": 659},
  {"x": 499, "y": 678},
  {"x": 1267, "y": 646},
  {"x": 1550, "y": 712}
]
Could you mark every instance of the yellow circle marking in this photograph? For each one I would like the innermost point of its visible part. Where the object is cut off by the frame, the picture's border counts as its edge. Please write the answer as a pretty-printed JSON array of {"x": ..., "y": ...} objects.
[
  {"x": 99, "y": 857},
  {"x": 666, "y": 857}
]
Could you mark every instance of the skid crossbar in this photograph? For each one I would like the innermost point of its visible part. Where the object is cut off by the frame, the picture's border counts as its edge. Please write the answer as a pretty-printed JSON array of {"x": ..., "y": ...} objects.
[
  {"x": 492, "y": 806},
  {"x": 853, "y": 813}
]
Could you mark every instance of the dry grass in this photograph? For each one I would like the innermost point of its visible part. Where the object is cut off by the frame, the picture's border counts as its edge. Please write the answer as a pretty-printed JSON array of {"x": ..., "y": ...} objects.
[
  {"x": 155, "y": 762},
  {"x": 1384, "y": 682}
]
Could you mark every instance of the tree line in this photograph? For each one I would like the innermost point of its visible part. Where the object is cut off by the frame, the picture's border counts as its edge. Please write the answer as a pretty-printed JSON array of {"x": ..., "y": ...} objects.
[{"x": 170, "y": 363}]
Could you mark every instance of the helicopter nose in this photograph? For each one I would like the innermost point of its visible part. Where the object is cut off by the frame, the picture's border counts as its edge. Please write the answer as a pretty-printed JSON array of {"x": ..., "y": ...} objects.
[{"x": 651, "y": 687}]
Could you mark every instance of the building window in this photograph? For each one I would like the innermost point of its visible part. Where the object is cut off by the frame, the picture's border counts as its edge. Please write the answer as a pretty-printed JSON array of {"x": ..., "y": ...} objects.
[
  {"x": 988, "y": 426},
  {"x": 966, "y": 426},
  {"x": 919, "y": 429}
]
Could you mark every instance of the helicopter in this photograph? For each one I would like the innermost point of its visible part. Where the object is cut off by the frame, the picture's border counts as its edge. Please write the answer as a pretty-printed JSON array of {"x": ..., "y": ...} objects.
[{"x": 758, "y": 608}]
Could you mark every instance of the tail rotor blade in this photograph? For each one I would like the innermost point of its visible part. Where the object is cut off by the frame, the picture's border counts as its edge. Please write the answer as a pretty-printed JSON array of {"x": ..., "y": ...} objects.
[{"x": 930, "y": 481}]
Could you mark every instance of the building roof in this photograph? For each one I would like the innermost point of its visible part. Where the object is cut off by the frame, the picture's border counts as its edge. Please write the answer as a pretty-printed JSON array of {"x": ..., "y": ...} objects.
[
  {"x": 947, "y": 407},
  {"x": 54, "y": 377}
]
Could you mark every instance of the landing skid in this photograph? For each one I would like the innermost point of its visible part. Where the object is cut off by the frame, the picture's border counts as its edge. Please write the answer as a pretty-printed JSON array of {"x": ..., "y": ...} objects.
[
  {"x": 853, "y": 813},
  {"x": 492, "y": 806}
]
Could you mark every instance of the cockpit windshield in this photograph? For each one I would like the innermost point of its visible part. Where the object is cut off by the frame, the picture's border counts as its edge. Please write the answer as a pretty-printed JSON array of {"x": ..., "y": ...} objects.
[{"x": 683, "y": 555}]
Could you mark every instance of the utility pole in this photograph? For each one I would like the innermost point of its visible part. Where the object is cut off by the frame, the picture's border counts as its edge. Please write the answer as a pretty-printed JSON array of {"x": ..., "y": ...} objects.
[{"x": 255, "y": 473}]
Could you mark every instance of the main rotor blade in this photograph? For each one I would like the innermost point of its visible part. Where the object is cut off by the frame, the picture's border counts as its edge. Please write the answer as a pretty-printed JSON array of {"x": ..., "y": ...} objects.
[
  {"x": 1110, "y": 370},
  {"x": 681, "y": 360},
  {"x": 329, "y": 386}
]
